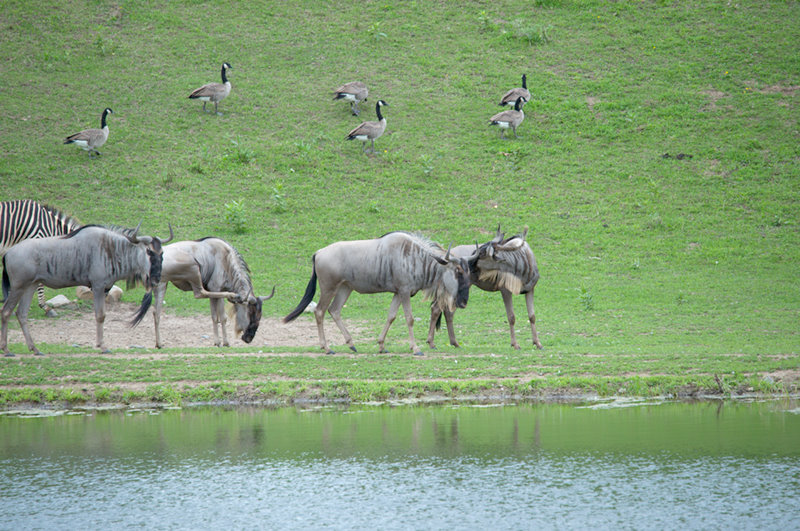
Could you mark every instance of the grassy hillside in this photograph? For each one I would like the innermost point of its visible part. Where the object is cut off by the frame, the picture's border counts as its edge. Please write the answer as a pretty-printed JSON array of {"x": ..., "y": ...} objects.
[{"x": 640, "y": 251}]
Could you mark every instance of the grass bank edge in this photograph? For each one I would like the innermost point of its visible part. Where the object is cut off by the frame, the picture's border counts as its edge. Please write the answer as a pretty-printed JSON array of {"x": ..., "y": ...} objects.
[{"x": 291, "y": 392}]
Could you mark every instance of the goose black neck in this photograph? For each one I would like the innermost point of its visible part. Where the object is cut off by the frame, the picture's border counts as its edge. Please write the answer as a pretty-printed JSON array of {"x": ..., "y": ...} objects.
[
  {"x": 524, "y": 82},
  {"x": 224, "y": 77},
  {"x": 378, "y": 111},
  {"x": 518, "y": 104},
  {"x": 103, "y": 119}
]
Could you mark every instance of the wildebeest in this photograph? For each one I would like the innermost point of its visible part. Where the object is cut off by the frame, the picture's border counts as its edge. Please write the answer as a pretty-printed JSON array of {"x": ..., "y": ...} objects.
[
  {"x": 503, "y": 264},
  {"x": 212, "y": 268},
  {"x": 90, "y": 256},
  {"x": 25, "y": 218},
  {"x": 397, "y": 262}
]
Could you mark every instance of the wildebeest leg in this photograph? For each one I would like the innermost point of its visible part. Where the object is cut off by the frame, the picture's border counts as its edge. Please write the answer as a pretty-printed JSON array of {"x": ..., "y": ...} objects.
[
  {"x": 451, "y": 331},
  {"x": 532, "y": 318},
  {"x": 158, "y": 293},
  {"x": 436, "y": 313},
  {"x": 393, "y": 307},
  {"x": 512, "y": 320},
  {"x": 22, "y": 317},
  {"x": 325, "y": 297},
  {"x": 335, "y": 310},
  {"x": 8, "y": 307},
  {"x": 218, "y": 319},
  {"x": 406, "y": 299},
  {"x": 100, "y": 315}
]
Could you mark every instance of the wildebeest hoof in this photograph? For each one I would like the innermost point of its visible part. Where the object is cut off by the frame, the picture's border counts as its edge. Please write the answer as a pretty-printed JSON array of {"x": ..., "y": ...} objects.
[
  {"x": 329, "y": 352},
  {"x": 353, "y": 348},
  {"x": 9, "y": 355},
  {"x": 36, "y": 353},
  {"x": 106, "y": 351},
  {"x": 50, "y": 313},
  {"x": 383, "y": 351},
  {"x": 419, "y": 353}
]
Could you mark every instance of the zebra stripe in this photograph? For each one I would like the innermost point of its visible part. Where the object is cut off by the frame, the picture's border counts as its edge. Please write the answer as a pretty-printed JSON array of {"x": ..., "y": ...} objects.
[{"x": 24, "y": 219}]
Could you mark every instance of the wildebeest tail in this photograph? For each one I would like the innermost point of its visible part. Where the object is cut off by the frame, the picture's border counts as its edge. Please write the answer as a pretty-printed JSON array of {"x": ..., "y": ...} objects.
[
  {"x": 6, "y": 281},
  {"x": 309, "y": 295},
  {"x": 147, "y": 300}
]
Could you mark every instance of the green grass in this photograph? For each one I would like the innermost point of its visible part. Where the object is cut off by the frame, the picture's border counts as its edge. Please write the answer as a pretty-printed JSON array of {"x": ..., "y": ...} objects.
[{"x": 643, "y": 257}]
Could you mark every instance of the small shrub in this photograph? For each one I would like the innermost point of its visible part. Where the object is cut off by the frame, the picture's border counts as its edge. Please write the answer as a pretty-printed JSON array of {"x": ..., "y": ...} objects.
[
  {"x": 586, "y": 299},
  {"x": 278, "y": 198},
  {"x": 235, "y": 217},
  {"x": 532, "y": 33}
]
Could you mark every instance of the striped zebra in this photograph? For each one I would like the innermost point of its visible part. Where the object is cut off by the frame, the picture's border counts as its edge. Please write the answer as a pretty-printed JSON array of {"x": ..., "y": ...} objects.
[{"x": 24, "y": 219}]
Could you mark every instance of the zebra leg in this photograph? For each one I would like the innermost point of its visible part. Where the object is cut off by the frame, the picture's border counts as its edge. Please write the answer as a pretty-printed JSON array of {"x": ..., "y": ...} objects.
[{"x": 48, "y": 311}]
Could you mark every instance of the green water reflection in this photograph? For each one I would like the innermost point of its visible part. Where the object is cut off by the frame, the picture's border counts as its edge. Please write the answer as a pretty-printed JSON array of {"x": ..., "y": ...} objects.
[{"x": 769, "y": 428}]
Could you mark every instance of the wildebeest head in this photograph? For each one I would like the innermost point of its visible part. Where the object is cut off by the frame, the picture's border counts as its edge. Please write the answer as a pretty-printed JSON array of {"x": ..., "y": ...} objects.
[
  {"x": 457, "y": 280},
  {"x": 248, "y": 315},
  {"x": 155, "y": 253}
]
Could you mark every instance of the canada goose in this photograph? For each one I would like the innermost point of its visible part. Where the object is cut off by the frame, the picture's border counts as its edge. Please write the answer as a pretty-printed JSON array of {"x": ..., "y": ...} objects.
[
  {"x": 509, "y": 119},
  {"x": 511, "y": 96},
  {"x": 91, "y": 139},
  {"x": 215, "y": 92},
  {"x": 370, "y": 130},
  {"x": 354, "y": 92}
]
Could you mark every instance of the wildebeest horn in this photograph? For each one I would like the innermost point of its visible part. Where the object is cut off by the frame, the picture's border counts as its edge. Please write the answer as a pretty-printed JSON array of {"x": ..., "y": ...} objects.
[
  {"x": 447, "y": 256},
  {"x": 499, "y": 236},
  {"x": 132, "y": 237},
  {"x": 171, "y": 234},
  {"x": 268, "y": 297}
]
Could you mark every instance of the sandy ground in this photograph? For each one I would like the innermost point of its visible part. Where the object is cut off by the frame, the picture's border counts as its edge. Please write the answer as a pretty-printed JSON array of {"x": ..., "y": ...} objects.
[{"x": 77, "y": 327}]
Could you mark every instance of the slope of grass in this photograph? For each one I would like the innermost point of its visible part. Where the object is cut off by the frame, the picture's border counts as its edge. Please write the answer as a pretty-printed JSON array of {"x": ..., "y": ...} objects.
[{"x": 639, "y": 250}]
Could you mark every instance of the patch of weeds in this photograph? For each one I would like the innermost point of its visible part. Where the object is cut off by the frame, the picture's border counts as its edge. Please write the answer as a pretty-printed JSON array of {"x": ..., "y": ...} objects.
[
  {"x": 779, "y": 221},
  {"x": 240, "y": 155},
  {"x": 680, "y": 299},
  {"x": 586, "y": 299},
  {"x": 196, "y": 168},
  {"x": 104, "y": 47},
  {"x": 374, "y": 209},
  {"x": 485, "y": 22},
  {"x": 235, "y": 217},
  {"x": 169, "y": 182},
  {"x": 426, "y": 163},
  {"x": 374, "y": 31},
  {"x": 278, "y": 198},
  {"x": 654, "y": 221},
  {"x": 531, "y": 33}
]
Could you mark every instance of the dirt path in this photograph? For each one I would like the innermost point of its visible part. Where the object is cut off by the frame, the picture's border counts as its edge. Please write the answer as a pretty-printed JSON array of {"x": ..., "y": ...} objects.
[{"x": 77, "y": 327}]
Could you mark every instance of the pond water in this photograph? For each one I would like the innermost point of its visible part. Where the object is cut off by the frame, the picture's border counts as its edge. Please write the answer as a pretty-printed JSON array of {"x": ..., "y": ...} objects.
[{"x": 607, "y": 465}]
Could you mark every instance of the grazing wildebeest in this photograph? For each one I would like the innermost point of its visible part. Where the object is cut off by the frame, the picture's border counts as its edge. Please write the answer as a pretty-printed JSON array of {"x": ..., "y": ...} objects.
[
  {"x": 503, "y": 264},
  {"x": 25, "y": 218},
  {"x": 90, "y": 256},
  {"x": 212, "y": 268},
  {"x": 398, "y": 262}
]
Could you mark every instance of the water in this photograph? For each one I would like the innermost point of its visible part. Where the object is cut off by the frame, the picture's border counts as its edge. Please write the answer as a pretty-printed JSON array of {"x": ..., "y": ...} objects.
[{"x": 622, "y": 465}]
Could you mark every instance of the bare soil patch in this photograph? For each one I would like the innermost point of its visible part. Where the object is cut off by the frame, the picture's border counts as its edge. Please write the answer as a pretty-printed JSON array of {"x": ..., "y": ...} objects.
[{"x": 77, "y": 327}]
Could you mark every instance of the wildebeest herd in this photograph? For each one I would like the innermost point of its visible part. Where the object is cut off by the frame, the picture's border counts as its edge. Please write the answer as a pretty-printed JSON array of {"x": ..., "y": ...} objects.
[
  {"x": 40, "y": 246},
  {"x": 42, "y": 249}
]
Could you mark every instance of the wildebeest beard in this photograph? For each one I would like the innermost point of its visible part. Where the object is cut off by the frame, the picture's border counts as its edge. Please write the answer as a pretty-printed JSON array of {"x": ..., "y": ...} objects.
[{"x": 254, "y": 318}]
